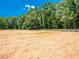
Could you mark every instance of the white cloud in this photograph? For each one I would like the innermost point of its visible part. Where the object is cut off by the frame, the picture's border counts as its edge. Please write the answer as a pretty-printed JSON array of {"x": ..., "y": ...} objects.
[
  {"x": 33, "y": 7},
  {"x": 29, "y": 7}
]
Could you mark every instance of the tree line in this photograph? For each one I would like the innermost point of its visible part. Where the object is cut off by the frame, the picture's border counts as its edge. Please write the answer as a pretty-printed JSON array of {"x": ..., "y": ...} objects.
[{"x": 62, "y": 15}]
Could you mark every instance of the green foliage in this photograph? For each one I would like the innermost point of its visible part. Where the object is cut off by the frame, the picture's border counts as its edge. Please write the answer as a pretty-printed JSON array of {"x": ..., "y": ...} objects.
[
  {"x": 62, "y": 15},
  {"x": 3, "y": 23}
]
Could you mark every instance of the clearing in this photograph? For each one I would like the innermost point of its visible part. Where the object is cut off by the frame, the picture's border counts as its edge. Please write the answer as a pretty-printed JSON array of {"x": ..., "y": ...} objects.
[{"x": 30, "y": 44}]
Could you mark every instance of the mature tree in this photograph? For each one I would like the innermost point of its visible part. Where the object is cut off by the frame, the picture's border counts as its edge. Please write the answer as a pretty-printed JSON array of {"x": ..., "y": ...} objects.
[
  {"x": 73, "y": 6},
  {"x": 62, "y": 15},
  {"x": 12, "y": 22},
  {"x": 3, "y": 23}
]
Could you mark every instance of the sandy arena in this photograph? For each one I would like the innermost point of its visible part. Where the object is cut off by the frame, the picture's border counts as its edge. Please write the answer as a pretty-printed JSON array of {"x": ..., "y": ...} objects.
[{"x": 26, "y": 44}]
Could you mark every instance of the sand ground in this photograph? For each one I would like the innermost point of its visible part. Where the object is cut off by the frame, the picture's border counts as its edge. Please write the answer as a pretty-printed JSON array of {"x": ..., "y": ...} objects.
[{"x": 25, "y": 44}]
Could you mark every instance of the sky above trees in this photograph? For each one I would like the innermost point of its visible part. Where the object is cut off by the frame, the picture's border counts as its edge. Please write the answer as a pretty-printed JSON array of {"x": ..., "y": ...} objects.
[{"x": 19, "y": 7}]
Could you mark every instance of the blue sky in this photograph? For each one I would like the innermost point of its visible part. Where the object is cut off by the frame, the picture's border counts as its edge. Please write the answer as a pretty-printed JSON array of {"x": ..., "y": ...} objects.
[{"x": 18, "y": 7}]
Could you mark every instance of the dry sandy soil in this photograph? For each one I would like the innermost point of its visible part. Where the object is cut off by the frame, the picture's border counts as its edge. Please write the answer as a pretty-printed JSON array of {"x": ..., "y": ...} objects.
[{"x": 23, "y": 44}]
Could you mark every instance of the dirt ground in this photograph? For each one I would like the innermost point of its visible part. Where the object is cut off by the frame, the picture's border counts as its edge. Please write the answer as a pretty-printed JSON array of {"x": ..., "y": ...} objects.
[{"x": 26, "y": 44}]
